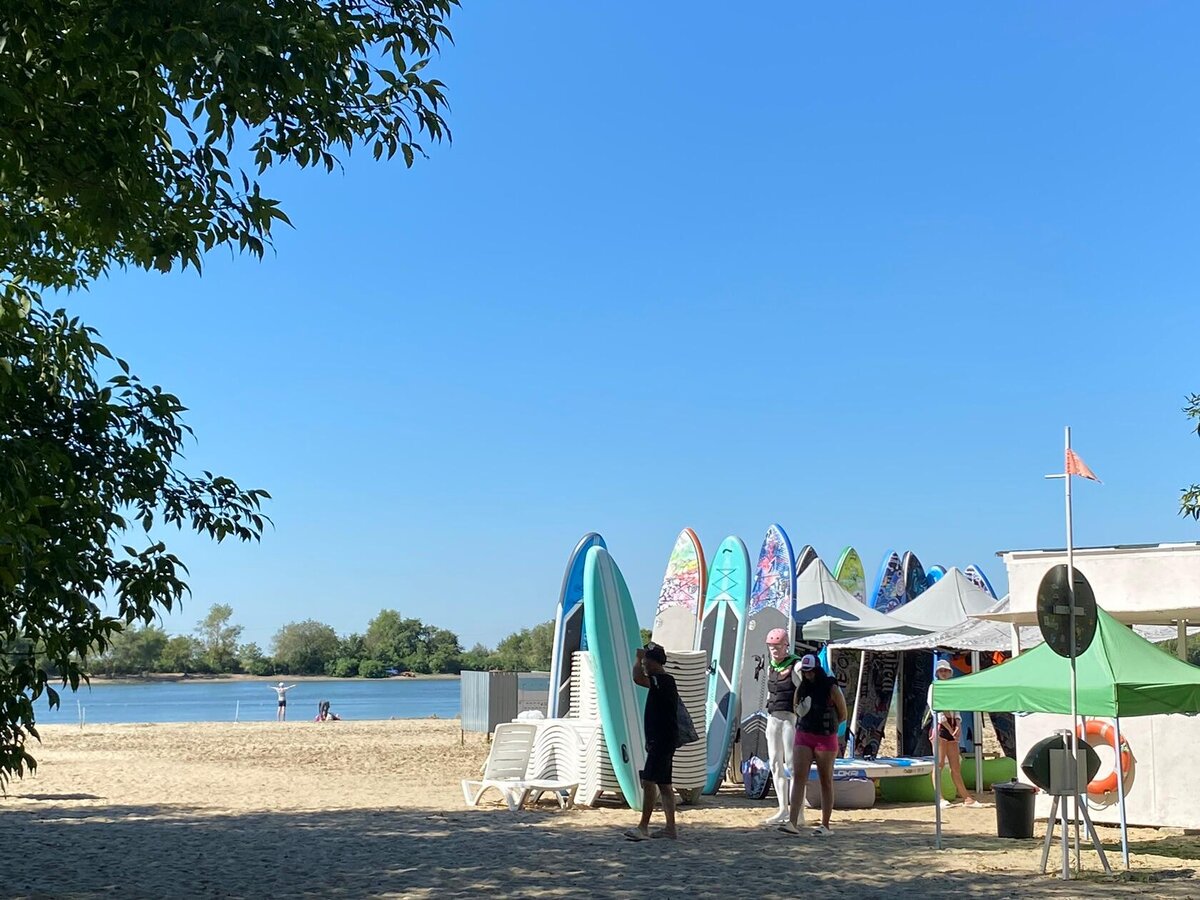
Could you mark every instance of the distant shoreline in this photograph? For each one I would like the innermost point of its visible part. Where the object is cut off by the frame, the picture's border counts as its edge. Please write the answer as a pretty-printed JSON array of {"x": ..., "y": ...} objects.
[{"x": 169, "y": 677}]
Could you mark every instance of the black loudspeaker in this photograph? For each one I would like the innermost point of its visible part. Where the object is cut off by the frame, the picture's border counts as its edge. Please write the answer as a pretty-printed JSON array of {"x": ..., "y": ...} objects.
[{"x": 1036, "y": 764}]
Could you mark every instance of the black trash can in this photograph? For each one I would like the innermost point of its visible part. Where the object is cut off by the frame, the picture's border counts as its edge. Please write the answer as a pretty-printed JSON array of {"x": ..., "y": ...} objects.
[{"x": 1014, "y": 809}]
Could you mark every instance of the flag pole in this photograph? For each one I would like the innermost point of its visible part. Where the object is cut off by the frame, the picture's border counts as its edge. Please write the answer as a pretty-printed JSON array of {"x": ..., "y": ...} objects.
[{"x": 1071, "y": 605}]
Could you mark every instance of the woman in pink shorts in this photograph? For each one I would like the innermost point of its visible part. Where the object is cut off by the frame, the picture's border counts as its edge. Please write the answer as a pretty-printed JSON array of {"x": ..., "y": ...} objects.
[{"x": 820, "y": 709}]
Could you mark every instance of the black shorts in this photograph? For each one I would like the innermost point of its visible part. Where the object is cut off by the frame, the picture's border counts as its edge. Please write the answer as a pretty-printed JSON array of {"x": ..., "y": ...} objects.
[
  {"x": 282, "y": 704},
  {"x": 658, "y": 763},
  {"x": 946, "y": 734}
]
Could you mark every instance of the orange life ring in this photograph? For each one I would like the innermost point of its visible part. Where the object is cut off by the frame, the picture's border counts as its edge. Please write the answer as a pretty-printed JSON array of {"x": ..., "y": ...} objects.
[{"x": 1105, "y": 732}]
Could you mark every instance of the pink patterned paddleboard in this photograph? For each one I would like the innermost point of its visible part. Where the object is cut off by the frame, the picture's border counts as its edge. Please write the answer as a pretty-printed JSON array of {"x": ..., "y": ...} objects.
[{"x": 681, "y": 598}]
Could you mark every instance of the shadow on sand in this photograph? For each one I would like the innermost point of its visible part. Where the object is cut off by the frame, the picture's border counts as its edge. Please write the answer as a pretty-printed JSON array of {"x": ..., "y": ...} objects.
[{"x": 95, "y": 849}]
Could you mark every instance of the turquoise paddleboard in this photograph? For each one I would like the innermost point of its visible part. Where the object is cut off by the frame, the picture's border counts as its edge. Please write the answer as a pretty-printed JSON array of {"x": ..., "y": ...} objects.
[
  {"x": 613, "y": 641},
  {"x": 722, "y": 636}
]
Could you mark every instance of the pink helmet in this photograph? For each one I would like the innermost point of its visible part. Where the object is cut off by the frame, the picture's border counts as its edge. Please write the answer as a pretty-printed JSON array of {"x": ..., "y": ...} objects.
[{"x": 777, "y": 636}]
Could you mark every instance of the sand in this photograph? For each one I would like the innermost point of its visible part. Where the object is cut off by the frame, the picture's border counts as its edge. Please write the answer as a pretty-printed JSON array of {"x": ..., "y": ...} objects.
[{"x": 375, "y": 810}]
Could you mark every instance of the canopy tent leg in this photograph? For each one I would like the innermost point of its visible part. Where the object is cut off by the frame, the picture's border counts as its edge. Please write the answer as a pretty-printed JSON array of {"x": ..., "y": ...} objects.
[
  {"x": 1121, "y": 793},
  {"x": 937, "y": 786},
  {"x": 898, "y": 704},
  {"x": 977, "y": 717},
  {"x": 1181, "y": 639}
]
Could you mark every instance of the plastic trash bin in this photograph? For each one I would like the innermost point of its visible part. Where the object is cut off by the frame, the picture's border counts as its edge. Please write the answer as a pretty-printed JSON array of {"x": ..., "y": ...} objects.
[{"x": 1014, "y": 809}]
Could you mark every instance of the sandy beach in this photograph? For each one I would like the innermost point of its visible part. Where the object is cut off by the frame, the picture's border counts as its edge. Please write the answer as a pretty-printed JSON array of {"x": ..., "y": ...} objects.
[{"x": 375, "y": 810}]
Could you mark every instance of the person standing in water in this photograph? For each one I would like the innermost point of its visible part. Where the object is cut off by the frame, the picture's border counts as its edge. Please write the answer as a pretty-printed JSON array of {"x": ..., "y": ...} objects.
[
  {"x": 281, "y": 692},
  {"x": 946, "y": 730},
  {"x": 781, "y": 719},
  {"x": 662, "y": 736},
  {"x": 821, "y": 709}
]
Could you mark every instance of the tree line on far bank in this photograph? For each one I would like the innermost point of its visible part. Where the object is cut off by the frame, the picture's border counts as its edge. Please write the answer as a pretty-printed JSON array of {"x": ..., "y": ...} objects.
[{"x": 391, "y": 645}]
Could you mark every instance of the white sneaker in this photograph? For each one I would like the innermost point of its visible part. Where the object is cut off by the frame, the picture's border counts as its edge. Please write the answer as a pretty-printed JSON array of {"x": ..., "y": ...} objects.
[
  {"x": 945, "y": 804},
  {"x": 778, "y": 819}
]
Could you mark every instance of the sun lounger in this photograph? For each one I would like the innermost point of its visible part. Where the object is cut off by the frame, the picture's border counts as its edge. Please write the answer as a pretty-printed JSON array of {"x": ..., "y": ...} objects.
[
  {"x": 554, "y": 764},
  {"x": 507, "y": 765}
]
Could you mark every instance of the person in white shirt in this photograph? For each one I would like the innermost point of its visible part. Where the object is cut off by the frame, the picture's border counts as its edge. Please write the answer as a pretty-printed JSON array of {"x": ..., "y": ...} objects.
[
  {"x": 281, "y": 692},
  {"x": 944, "y": 733}
]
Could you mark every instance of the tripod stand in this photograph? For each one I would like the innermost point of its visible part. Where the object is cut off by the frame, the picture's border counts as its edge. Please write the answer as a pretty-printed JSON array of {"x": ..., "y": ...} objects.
[{"x": 1055, "y": 808}]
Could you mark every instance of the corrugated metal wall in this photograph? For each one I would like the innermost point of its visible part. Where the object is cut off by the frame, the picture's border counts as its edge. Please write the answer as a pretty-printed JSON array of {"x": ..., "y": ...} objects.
[{"x": 488, "y": 699}]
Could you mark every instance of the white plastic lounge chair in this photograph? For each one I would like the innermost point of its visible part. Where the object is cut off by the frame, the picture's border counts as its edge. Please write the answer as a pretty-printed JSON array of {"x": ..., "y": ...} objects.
[
  {"x": 506, "y": 765},
  {"x": 553, "y": 767}
]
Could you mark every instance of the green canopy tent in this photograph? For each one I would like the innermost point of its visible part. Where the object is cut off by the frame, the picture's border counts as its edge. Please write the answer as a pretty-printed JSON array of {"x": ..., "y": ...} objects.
[{"x": 1120, "y": 674}]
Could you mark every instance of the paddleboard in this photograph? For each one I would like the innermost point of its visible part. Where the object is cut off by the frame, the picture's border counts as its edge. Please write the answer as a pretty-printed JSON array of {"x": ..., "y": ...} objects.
[
  {"x": 847, "y": 663},
  {"x": 800, "y": 647},
  {"x": 804, "y": 558},
  {"x": 677, "y": 617},
  {"x": 878, "y": 680},
  {"x": 918, "y": 671},
  {"x": 770, "y": 607},
  {"x": 975, "y": 576},
  {"x": 722, "y": 638},
  {"x": 568, "y": 628},
  {"x": 933, "y": 575},
  {"x": 612, "y": 625}
]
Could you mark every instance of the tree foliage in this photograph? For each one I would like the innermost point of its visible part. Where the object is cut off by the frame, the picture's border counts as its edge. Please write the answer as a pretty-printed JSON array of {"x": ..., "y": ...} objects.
[
  {"x": 218, "y": 638},
  {"x": 133, "y": 651},
  {"x": 121, "y": 123},
  {"x": 303, "y": 648},
  {"x": 409, "y": 645},
  {"x": 88, "y": 476},
  {"x": 1189, "y": 501},
  {"x": 528, "y": 650},
  {"x": 132, "y": 134}
]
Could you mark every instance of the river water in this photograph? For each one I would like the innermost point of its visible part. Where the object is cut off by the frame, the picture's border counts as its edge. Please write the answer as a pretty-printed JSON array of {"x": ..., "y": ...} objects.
[{"x": 202, "y": 700}]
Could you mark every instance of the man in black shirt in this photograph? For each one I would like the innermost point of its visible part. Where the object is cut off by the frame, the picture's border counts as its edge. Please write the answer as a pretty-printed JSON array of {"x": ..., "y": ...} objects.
[{"x": 662, "y": 736}]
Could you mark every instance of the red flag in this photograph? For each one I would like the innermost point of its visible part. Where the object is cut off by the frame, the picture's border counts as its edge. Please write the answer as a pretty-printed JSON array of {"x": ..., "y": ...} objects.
[{"x": 1076, "y": 466}]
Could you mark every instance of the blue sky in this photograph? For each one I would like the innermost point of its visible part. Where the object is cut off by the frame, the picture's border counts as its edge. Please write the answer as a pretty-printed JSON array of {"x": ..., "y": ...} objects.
[{"x": 851, "y": 269}]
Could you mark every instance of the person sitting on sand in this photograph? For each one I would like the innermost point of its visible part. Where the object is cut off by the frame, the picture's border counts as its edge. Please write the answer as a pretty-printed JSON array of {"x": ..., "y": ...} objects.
[
  {"x": 324, "y": 714},
  {"x": 944, "y": 733},
  {"x": 281, "y": 692},
  {"x": 662, "y": 735},
  {"x": 820, "y": 710}
]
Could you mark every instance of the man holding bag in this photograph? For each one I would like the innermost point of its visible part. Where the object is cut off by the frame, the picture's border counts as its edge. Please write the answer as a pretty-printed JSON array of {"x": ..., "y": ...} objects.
[{"x": 662, "y": 736}]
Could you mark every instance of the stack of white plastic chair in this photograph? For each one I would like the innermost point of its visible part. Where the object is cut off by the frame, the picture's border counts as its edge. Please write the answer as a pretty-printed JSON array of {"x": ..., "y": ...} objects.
[
  {"x": 559, "y": 750},
  {"x": 596, "y": 775},
  {"x": 689, "y": 668}
]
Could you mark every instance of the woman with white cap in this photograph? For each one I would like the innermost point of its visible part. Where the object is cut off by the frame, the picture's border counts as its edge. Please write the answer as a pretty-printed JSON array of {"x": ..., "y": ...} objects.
[
  {"x": 945, "y": 731},
  {"x": 821, "y": 709},
  {"x": 781, "y": 718}
]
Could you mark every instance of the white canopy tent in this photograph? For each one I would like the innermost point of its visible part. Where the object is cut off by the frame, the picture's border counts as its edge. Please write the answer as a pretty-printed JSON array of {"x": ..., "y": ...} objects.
[
  {"x": 986, "y": 632},
  {"x": 826, "y": 611},
  {"x": 949, "y": 602},
  {"x": 971, "y": 634}
]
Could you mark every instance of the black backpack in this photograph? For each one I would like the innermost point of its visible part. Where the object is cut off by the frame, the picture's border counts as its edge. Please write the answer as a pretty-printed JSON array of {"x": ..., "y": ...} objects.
[{"x": 686, "y": 729}]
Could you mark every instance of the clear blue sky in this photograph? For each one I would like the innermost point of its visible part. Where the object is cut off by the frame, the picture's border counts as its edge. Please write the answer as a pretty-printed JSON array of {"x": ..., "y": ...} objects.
[{"x": 850, "y": 268}]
